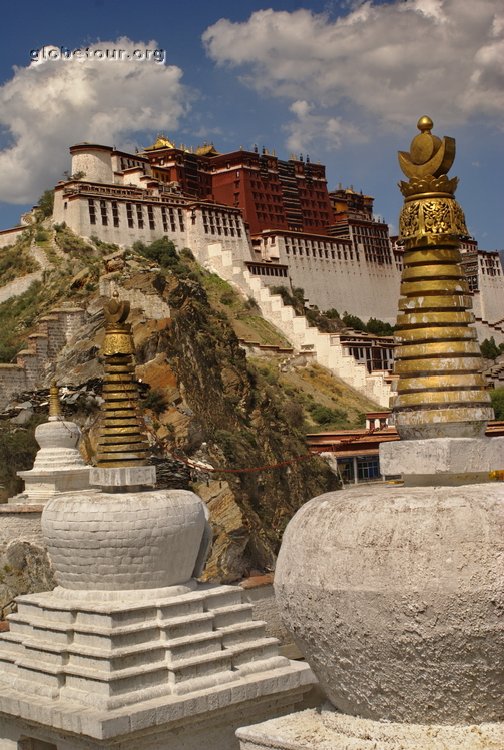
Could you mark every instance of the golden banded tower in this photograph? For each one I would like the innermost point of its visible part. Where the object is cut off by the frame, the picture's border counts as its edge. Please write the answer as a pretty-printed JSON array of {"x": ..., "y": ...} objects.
[{"x": 441, "y": 389}]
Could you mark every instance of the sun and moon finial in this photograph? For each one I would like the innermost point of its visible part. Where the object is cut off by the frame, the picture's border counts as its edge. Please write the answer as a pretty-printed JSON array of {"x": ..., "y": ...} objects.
[
  {"x": 429, "y": 155},
  {"x": 116, "y": 311}
]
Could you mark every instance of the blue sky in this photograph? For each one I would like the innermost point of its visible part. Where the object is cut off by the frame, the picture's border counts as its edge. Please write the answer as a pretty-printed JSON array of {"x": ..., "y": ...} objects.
[{"x": 343, "y": 81}]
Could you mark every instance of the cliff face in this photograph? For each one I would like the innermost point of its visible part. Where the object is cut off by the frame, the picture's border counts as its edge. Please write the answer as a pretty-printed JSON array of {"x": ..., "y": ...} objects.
[{"x": 241, "y": 420}]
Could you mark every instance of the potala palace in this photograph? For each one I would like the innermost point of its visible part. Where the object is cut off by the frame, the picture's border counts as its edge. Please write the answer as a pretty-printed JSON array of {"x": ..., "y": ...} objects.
[{"x": 260, "y": 221}]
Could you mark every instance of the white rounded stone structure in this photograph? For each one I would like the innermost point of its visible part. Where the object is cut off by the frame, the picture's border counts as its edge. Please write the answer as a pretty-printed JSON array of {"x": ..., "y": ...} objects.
[
  {"x": 58, "y": 465},
  {"x": 128, "y": 541},
  {"x": 396, "y": 598}
]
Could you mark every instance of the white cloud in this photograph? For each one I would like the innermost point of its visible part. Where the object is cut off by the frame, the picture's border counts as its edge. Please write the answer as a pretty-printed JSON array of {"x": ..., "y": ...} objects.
[
  {"x": 311, "y": 128},
  {"x": 52, "y": 104},
  {"x": 391, "y": 61}
]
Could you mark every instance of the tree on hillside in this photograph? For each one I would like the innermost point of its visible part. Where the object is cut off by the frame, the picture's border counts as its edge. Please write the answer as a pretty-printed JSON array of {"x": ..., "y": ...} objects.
[
  {"x": 497, "y": 396},
  {"x": 379, "y": 327},
  {"x": 46, "y": 203},
  {"x": 162, "y": 251},
  {"x": 489, "y": 348},
  {"x": 352, "y": 321}
]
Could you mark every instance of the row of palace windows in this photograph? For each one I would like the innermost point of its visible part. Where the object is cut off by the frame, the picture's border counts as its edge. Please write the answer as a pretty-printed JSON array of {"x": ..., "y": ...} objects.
[
  {"x": 221, "y": 223},
  {"x": 375, "y": 358},
  {"x": 135, "y": 212},
  {"x": 128, "y": 163},
  {"x": 267, "y": 270},
  {"x": 379, "y": 255},
  {"x": 320, "y": 253},
  {"x": 490, "y": 266}
]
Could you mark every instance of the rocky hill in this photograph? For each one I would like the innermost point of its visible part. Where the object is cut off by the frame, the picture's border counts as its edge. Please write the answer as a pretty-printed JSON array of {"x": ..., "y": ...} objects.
[{"x": 207, "y": 402}]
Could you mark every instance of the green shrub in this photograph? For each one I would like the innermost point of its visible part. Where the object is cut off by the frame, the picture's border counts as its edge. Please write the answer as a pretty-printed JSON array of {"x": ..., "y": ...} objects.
[
  {"x": 489, "y": 348},
  {"x": 227, "y": 298},
  {"x": 352, "y": 321},
  {"x": 379, "y": 327},
  {"x": 161, "y": 251},
  {"x": 15, "y": 261},
  {"x": 186, "y": 254},
  {"x": 156, "y": 401},
  {"x": 41, "y": 235},
  {"x": 497, "y": 396},
  {"x": 325, "y": 415},
  {"x": 16, "y": 315},
  {"x": 70, "y": 242},
  {"x": 332, "y": 313}
]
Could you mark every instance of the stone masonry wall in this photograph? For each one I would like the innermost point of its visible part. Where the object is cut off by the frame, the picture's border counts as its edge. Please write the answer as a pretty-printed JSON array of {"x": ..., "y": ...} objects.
[
  {"x": 54, "y": 331},
  {"x": 24, "y": 563}
]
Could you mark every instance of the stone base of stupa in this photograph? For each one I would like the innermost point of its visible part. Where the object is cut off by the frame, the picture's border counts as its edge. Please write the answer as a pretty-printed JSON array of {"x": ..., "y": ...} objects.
[
  {"x": 326, "y": 728},
  {"x": 168, "y": 668},
  {"x": 41, "y": 486}
]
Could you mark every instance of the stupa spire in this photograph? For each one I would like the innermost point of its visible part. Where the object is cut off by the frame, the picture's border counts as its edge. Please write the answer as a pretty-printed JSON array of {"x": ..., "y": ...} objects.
[
  {"x": 441, "y": 389},
  {"x": 54, "y": 403},
  {"x": 121, "y": 439}
]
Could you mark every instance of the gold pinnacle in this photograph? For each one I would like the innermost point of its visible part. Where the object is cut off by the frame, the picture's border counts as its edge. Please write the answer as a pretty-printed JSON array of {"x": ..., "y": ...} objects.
[
  {"x": 54, "y": 402},
  {"x": 441, "y": 389},
  {"x": 121, "y": 437}
]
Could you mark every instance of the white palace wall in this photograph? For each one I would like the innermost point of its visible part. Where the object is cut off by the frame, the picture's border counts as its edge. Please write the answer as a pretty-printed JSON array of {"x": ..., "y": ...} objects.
[
  {"x": 331, "y": 276},
  {"x": 123, "y": 222},
  {"x": 491, "y": 297}
]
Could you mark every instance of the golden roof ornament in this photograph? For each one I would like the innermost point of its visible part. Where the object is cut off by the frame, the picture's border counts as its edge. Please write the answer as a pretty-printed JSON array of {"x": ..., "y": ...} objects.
[
  {"x": 441, "y": 388},
  {"x": 122, "y": 441},
  {"x": 161, "y": 142}
]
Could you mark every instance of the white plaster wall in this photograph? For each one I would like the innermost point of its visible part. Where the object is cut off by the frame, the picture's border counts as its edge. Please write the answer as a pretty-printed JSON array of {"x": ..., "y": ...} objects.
[
  {"x": 492, "y": 297},
  {"x": 95, "y": 163},
  {"x": 192, "y": 235},
  {"x": 361, "y": 288},
  {"x": 10, "y": 236}
]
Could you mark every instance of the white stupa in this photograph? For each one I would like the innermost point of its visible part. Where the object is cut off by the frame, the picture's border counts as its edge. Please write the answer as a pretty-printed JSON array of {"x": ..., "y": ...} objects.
[{"x": 58, "y": 465}]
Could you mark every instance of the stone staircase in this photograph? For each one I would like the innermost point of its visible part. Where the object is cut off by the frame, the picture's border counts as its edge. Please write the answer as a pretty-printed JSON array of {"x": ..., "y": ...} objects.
[
  {"x": 495, "y": 374},
  {"x": 326, "y": 347},
  {"x": 486, "y": 329}
]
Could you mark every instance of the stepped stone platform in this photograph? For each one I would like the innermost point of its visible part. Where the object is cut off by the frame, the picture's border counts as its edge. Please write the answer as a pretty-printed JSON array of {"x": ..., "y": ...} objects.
[
  {"x": 106, "y": 664},
  {"x": 326, "y": 728}
]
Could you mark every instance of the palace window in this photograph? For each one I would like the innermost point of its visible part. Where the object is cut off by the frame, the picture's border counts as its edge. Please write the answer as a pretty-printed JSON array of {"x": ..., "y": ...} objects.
[
  {"x": 164, "y": 219},
  {"x": 92, "y": 211},
  {"x": 129, "y": 215},
  {"x": 115, "y": 214},
  {"x": 139, "y": 213},
  {"x": 150, "y": 216},
  {"x": 180, "y": 219}
]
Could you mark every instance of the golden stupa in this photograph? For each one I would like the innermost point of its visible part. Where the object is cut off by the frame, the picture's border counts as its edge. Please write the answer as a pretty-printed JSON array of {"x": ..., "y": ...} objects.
[
  {"x": 441, "y": 389},
  {"x": 122, "y": 441}
]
